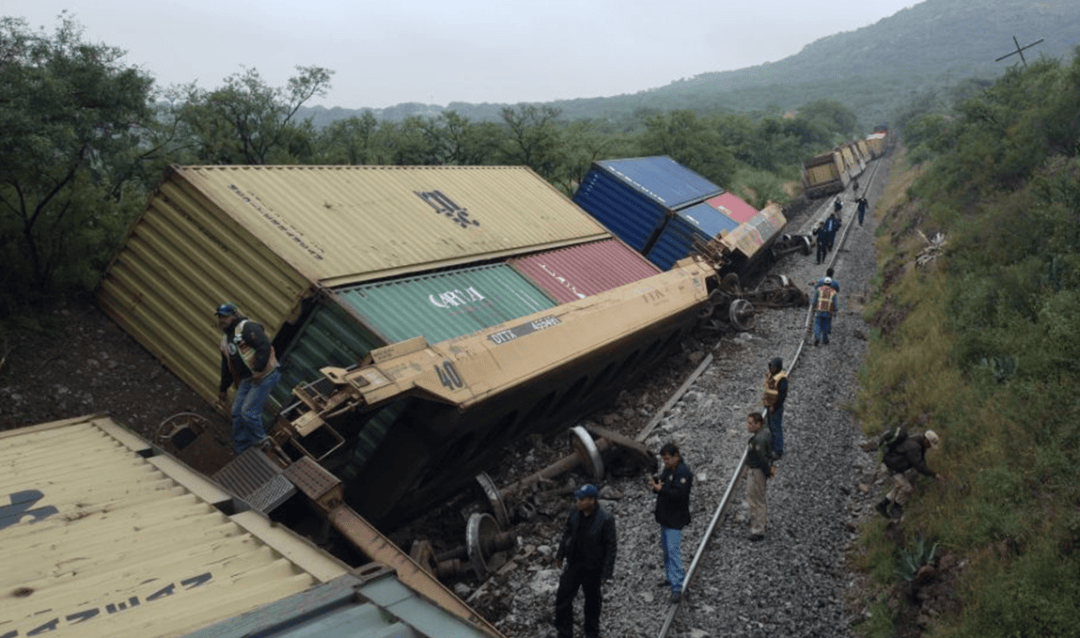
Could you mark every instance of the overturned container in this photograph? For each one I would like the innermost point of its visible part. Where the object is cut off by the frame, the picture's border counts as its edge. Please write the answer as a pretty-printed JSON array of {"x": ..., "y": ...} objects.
[{"x": 635, "y": 197}]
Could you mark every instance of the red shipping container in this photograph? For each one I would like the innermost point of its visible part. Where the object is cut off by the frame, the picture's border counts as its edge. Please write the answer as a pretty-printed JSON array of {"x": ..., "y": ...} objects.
[
  {"x": 569, "y": 274},
  {"x": 733, "y": 207}
]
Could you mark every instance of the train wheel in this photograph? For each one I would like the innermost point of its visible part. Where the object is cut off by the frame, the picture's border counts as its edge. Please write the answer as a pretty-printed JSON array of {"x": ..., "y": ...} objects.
[
  {"x": 730, "y": 283},
  {"x": 741, "y": 315}
]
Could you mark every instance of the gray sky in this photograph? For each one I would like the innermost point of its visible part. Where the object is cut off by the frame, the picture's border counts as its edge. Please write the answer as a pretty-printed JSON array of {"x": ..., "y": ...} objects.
[{"x": 386, "y": 52}]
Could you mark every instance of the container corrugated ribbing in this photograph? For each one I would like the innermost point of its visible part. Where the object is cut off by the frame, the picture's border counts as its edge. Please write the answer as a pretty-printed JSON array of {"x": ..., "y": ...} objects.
[{"x": 569, "y": 274}]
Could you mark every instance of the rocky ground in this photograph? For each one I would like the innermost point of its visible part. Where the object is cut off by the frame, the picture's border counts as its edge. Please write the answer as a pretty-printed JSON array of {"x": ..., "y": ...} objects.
[
  {"x": 76, "y": 361},
  {"x": 794, "y": 583}
]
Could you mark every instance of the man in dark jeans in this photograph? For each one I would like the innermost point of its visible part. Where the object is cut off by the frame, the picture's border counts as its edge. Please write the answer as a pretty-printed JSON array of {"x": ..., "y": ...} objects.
[
  {"x": 672, "y": 489},
  {"x": 588, "y": 545}
]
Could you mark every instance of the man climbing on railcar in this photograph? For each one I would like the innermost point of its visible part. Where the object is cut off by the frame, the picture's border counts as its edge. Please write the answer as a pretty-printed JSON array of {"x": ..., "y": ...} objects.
[
  {"x": 588, "y": 547},
  {"x": 773, "y": 398},
  {"x": 825, "y": 304},
  {"x": 672, "y": 489},
  {"x": 905, "y": 458},
  {"x": 249, "y": 365}
]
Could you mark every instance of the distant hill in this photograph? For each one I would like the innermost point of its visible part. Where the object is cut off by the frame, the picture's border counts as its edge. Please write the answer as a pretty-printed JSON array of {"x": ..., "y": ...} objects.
[{"x": 875, "y": 70}]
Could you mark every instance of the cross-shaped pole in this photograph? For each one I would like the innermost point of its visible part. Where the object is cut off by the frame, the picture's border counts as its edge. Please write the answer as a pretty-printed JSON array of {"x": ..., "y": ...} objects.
[{"x": 1019, "y": 50}]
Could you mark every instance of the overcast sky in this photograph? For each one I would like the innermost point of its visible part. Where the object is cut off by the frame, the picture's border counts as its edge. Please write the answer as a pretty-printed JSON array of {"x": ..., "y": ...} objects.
[{"x": 386, "y": 52}]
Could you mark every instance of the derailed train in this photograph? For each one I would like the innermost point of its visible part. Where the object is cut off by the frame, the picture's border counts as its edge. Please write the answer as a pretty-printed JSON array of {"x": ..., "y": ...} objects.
[
  {"x": 325, "y": 257},
  {"x": 456, "y": 404},
  {"x": 832, "y": 172}
]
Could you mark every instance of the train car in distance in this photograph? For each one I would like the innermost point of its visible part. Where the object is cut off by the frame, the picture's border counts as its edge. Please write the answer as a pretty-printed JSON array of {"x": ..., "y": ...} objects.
[
  {"x": 825, "y": 175},
  {"x": 832, "y": 172}
]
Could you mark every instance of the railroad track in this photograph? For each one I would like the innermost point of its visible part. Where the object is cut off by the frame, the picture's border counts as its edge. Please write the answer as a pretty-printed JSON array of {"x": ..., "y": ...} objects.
[
  {"x": 544, "y": 480},
  {"x": 817, "y": 214}
]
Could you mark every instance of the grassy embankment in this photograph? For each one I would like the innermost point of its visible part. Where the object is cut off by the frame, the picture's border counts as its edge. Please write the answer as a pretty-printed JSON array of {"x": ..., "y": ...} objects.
[{"x": 982, "y": 344}]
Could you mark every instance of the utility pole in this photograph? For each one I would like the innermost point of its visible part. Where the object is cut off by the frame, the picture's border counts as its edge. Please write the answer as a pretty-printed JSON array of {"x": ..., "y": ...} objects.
[{"x": 1019, "y": 50}]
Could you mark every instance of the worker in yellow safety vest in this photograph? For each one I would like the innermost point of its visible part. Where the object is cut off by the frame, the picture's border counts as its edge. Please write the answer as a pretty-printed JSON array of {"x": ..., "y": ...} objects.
[{"x": 776, "y": 387}]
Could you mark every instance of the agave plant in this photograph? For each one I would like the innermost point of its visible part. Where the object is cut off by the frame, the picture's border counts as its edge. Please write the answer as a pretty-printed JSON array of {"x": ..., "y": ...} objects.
[{"x": 914, "y": 557}]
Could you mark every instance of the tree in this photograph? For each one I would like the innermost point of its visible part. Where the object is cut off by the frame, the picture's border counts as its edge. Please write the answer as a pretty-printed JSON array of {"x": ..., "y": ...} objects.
[
  {"x": 534, "y": 140},
  {"x": 248, "y": 122},
  {"x": 586, "y": 143},
  {"x": 691, "y": 142},
  {"x": 832, "y": 116},
  {"x": 73, "y": 127},
  {"x": 350, "y": 141},
  {"x": 460, "y": 142}
]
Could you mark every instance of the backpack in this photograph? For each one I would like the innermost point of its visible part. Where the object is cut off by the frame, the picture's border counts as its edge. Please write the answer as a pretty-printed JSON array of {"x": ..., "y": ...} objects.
[{"x": 892, "y": 437}]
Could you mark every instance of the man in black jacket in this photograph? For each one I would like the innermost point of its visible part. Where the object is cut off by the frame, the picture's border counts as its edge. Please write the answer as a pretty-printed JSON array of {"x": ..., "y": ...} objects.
[
  {"x": 759, "y": 469},
  {"x": 672, "y": 489},
  {"x": 588, "y": 545},
  {"x": 908, "y": 453}
]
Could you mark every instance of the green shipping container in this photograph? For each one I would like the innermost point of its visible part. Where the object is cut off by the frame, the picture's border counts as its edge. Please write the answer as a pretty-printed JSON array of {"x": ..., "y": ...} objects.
[
  {"x": 358, "y": 319},
  {"x": 444, "y": 305}
]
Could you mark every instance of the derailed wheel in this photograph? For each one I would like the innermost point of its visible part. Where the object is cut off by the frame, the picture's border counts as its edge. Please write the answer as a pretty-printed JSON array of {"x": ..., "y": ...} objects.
[
  {"x": 741, "y": 315},
  {"x": 730, "y": 283},
  {"x": 494, "y": 498},
  {"x": 585, "y": 448},
  {"x": 483, "y": 539}
]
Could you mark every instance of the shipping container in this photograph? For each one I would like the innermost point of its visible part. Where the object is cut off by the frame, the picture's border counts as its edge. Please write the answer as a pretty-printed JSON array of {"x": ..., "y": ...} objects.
[
  {"x": 354, "y": 320},
  {"x": 634, "y": 197},
  {"x": 733, "y": 206},
  {"x": 270, "y": 238},
  {"x": 851, "y": 163},
  {"x": 825, "y": 175},
  {"x": 864, "y": 150},
  {"x": 748, "y": 242},
  {"x": 569, "y": 274},
  {"x": 103, "y": 535},
  {"x": 876, "y": 142},
  {"x": 700, "y": 222},
  {"x": 370, "y": 604}
]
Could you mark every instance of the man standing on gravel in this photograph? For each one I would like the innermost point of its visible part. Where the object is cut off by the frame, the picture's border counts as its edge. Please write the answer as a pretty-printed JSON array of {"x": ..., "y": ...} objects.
[
  {"x": 759, "y": 469},
  {"x": 832, "y": 224},
  {"x": 776, "y": 387},
  {"x": 672, "y": 489},
  {"x": 248, "y": 364},
  {"x": 822, "y": 236},
  {"x": 821, "y": 282},
  {"x": 588, "y": 545},
  {"x": 825, "y": 304},
  {"x": 862, "y": 206}
]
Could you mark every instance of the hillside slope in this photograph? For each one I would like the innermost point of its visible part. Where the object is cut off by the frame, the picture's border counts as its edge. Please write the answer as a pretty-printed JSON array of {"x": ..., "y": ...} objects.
[{"x": 873, "y": 70}]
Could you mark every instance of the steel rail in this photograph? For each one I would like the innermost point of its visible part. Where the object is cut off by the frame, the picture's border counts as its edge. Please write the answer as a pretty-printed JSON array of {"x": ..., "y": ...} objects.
[{"x": 673, "y": 609}]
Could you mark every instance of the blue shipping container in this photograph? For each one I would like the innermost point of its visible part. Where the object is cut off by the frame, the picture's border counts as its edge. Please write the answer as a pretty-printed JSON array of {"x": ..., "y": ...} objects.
[
  {"x": 677, "y": 239},
  {"x": 634, "y": 197}
]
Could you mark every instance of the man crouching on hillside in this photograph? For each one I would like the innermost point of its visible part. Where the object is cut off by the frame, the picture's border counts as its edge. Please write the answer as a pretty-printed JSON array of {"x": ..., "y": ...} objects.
[{"x": 902, "y": 454}]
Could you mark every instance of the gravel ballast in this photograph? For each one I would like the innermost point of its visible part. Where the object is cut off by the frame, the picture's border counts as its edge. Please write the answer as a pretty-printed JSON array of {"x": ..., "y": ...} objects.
[{"x": 794, "y": 582}]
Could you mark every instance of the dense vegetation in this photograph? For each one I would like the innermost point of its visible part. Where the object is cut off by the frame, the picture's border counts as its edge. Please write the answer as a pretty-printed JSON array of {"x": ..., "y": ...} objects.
[
  {"x": 85, "y": 138},
  {"x": 977, "y": 338}
]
